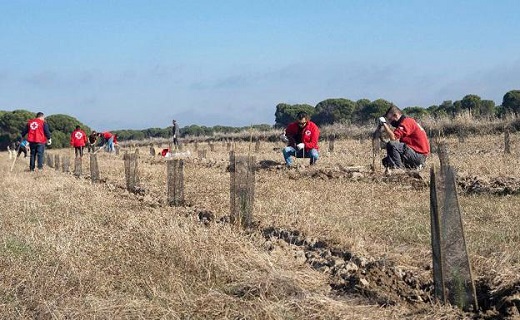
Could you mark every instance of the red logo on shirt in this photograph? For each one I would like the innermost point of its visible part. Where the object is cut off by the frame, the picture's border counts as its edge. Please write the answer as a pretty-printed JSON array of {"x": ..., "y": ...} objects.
[{"x": 34, "y": 125}]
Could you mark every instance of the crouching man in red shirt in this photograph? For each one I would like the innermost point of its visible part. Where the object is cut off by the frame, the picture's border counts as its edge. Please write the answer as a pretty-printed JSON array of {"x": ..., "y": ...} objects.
[
  {"x": 302, "y": 140},
  {"x": 408, "y": 146}
]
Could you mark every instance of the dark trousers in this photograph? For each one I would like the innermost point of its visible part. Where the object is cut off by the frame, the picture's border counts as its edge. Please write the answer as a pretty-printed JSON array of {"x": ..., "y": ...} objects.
[
  {"x": 399, "y": 155},
  {"x": 78, "y": 152},
  {"x": 37, "y": 151}
]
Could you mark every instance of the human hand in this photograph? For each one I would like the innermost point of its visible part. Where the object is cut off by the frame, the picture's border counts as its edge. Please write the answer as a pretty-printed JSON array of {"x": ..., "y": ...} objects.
[
  {"x": 382, "y": 121},
  {"x": 49, "y": 142},
  {"x": 283, "y": 137},
  {"x": 300, "y": 146}
]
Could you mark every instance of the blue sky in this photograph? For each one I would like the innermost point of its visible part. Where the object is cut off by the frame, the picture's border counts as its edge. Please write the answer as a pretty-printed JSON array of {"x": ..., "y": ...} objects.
[{"x": 139, "y": 64}]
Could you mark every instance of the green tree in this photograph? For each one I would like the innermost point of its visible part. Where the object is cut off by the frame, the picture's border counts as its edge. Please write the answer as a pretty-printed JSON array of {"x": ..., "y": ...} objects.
[
  {"x": 360, "y": 105},
  {"x": 487, "y": 108},
  {"x": 373, "y": 110},
  {"x": 64, "y": 123},
  {"x": 12, "y": 124},
  {"x": 471, "y": 103},
  {"x": 195, "y": 130},
  {"x": 447, "y": 107},
  {"x": 334, "y": 111},
  {"x": 155, "y": 133},
  {"x": 286, "y": 113},
  {"x": 457, "y": 107},
  {"x": 511, "y": 102},
  {"x": 60, "y": 139},
  {"x": 416, "y": 112},
  {"x": 226, "y": 129},
  {"x": 434, "y": 111}
]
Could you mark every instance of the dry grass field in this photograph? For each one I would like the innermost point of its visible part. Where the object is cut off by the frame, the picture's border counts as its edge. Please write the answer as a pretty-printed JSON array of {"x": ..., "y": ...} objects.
[{"x": 326, "y": 243}]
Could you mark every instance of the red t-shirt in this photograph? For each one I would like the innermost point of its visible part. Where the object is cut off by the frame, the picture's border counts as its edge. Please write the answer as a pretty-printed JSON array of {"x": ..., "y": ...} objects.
[{"x": 413, "y": 135}]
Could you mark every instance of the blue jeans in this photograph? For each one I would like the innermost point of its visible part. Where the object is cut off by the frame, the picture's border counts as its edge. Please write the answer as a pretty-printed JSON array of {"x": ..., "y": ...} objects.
[
  {"x": 289, "y": 152},
  {"x": 110, "y": 144},
  {"x": 399, "y": 155},
  {"x": 37, "y": 151}
]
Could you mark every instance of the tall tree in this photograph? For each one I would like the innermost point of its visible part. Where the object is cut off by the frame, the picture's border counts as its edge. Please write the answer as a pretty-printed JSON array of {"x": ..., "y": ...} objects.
[
  {"x": 11, "y": 125},
  {"x": 334, "y": 111},
  {"x": 415, "y": 112},
  {"x": 471, "y": 103},
  {"x": 511, "y": 102},
  {"x": 373, "y": 110},
  {"x": 487, "y": 108}
]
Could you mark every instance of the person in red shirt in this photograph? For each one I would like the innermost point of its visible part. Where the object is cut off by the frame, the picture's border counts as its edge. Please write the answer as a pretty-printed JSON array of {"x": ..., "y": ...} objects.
[
  {"x": 78, "y": 139},
  {"x": 302, "y": 140},
  {"x": 38, "y": 135},
  {"x": 109, "y": 140},
  {"x": 408, "y": 146}
]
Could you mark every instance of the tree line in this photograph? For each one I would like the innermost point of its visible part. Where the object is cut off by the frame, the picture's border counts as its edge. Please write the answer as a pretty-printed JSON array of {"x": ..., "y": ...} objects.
[
  {"x": 326, "y": 112},
  {"x": 362, "y": 111},
  {"x": 61, "y": 126}
]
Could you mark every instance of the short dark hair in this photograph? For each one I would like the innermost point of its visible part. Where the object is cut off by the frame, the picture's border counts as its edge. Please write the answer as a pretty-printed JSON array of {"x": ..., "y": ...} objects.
[
  {"x": 78, "y": 127},
  {"x": 393, "y": 109},
  {"x": 39, "y": 114},
  {"x": 301, "y": 115}
]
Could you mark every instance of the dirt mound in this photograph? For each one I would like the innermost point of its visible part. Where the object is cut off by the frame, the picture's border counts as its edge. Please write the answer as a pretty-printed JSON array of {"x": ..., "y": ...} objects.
[
  {"x": 499, "y": 186},
  {"x": 377, "y": 280},
  {"x": 383, "y": 282}
]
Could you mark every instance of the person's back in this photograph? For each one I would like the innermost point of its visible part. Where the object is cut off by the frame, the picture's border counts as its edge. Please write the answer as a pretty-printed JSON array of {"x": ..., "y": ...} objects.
[
  {"x": 108, "y": 138},
  {"x": 38, "y": 135},
  {"x": 36, "y": 131},
  {"x": 78, "y": 140}
]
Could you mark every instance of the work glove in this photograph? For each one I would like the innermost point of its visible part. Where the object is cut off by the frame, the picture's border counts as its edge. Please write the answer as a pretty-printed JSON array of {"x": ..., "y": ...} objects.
[
  {"x": 382, "y": 121},
  {"x": 49, "y": 142},
  {"x": 300, "y": 146}
]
